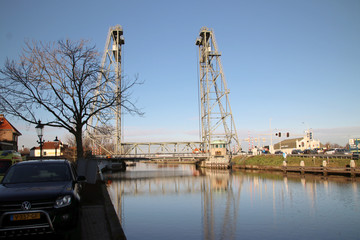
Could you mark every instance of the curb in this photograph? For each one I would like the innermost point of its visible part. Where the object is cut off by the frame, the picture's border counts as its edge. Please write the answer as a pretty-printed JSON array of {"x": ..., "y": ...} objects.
[{"x": 112, "y": 219}]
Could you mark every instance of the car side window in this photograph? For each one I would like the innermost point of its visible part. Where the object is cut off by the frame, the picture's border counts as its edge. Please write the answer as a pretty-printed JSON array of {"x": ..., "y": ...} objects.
[{"x": 73, "y": 169}]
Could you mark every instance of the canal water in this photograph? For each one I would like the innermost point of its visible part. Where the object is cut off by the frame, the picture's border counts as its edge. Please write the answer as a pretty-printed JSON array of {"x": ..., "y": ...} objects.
[{"x": 181, "y": 202}]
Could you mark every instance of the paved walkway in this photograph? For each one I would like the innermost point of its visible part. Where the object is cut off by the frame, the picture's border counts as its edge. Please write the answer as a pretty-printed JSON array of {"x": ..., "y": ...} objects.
[
  {"x": 99, "y": 220},
  {"x": 93, "y": 224}
]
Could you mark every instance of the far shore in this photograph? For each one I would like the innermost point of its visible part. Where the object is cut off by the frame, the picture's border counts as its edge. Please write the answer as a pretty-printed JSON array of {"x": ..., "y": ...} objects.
[{"x": 271, "y": 160}]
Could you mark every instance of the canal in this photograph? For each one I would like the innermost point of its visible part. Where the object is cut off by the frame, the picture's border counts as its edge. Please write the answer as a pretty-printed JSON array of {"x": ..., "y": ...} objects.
[{"x": 180, "y": 202}]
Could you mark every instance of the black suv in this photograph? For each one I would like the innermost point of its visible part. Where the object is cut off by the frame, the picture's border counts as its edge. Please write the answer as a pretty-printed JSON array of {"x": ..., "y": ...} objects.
[{"x": 39, "y": 197}]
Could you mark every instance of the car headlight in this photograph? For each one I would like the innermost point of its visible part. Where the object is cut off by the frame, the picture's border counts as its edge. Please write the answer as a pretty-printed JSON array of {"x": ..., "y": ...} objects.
[{"x": 63, "y": 201}]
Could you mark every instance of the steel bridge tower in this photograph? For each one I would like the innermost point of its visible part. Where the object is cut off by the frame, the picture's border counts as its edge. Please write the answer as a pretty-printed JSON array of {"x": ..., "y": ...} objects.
[
  {"x": 217, "y": 123},
  {"x": 111, "y": 65}
]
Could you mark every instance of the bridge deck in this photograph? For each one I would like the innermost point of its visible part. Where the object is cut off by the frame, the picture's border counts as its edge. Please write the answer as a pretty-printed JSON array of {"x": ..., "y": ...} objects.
[{"x": 156, "y": 156}]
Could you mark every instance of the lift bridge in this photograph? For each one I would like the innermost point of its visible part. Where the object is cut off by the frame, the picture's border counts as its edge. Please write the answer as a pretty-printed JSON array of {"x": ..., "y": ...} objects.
[{"x": 218, "y": 132}]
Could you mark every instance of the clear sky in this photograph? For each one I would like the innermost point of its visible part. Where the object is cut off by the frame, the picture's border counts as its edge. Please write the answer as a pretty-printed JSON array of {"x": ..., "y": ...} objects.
[{"x": 294, "y": 62}]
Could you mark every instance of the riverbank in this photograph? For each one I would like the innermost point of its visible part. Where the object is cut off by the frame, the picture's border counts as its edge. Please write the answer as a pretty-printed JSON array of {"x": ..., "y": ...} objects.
[
  {"x": 302, "y": 165},
  {"x": 277, "y": 161}
]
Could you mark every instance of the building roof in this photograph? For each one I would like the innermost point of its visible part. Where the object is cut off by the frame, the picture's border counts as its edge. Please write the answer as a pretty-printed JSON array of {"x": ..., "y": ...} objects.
[
  {"x": 288, "y": 143},
  {"x": 218, "y": 142},
  {"x": 6, "y": 125},
  {"x": 50, "y": 145}
]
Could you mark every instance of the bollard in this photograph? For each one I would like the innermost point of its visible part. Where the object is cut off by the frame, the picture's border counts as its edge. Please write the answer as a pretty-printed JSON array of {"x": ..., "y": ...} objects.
[
  {"x": 302, "y": 165},
  {"x": 284, "y": 167},
  {"x": 324, "y": 168},
  {"x": 352, "y": 163},
  {"x": 352, "y": 168}
]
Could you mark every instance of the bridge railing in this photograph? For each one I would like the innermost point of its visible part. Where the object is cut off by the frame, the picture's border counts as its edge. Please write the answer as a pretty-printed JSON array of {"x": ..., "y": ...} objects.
[
  {"x": 160, "y": 148},
  {"x": 160, "y": 156}
]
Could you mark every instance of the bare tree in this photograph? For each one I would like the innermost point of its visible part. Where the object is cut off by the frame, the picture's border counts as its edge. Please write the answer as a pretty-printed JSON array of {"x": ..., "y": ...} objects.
[
  {"x": 24, "y": 151},
  {"x": 59, "y": 80},
  {"x": 329, "y": 145}
]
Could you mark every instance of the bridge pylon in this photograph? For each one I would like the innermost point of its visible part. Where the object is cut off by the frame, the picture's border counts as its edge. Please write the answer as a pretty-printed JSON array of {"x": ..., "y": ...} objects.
[
  {"x": 217, "y": 122},
  {"x": 98, "y": 128}
]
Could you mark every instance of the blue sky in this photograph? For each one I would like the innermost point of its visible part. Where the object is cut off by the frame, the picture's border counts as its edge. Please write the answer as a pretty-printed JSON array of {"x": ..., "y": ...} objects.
[{"x": 294, "y": 62}]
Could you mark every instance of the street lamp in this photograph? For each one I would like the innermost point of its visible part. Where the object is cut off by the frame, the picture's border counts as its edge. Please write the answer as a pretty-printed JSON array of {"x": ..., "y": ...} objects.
[
  {"x": 39, "y": 130},
  {"x": 56, "y": 144}
]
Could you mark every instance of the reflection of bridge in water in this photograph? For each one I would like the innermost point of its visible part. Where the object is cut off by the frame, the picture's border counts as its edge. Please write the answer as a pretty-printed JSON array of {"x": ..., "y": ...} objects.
[
  {"x": 205, "y": 182},
  {"x": 228, "y": 204}
]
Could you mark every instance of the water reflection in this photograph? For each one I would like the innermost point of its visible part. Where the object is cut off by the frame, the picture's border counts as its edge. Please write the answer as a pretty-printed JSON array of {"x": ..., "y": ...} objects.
[{"x": 182, "y": 202}]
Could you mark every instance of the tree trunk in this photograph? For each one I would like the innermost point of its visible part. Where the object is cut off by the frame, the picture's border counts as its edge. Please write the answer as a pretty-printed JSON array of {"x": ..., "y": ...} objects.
[{"x": 79, "y": 145}]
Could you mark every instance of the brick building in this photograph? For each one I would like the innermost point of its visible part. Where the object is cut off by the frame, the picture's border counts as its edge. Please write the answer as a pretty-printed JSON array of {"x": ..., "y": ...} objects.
[{"x": 8, "y": 135}]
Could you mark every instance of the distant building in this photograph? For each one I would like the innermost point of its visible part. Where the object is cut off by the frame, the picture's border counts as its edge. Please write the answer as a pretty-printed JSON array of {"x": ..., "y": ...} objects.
[
  {"x": 306, "y": 142},
  {"x": 8, "y": 135},
  {"x": 50, "y": 149}
]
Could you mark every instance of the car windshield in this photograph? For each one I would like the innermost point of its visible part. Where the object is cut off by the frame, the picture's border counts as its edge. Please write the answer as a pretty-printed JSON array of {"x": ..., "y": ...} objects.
[{"x": 29, "y": 173}]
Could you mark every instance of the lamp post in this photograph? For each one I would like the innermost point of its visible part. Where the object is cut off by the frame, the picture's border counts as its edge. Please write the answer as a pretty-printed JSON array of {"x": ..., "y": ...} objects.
[
  {"x": 39, "y": 130},
  {"x": 56, "y": 144}
]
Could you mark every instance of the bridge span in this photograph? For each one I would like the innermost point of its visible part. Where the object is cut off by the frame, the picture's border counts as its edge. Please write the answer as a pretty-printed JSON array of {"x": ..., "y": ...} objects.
[
  {"x": 156, "y": 148},
  {"x": 157, "y": 157},
  {"x": 159, "y": 151},
  {"x": 193, "y": 152}
]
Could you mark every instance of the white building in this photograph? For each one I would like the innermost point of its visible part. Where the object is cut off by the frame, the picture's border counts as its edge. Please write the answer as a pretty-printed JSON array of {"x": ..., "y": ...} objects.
[
  {"x": 306, "y": 142},
  {"x": 49, "y": 149}
]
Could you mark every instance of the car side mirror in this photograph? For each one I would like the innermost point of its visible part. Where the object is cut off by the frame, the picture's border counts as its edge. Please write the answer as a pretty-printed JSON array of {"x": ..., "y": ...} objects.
[{"x": 81, "y": 179}]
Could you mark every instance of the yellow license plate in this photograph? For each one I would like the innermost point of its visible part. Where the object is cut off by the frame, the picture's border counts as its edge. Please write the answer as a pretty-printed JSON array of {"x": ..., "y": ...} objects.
[{"x": 24, "y": 216}]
